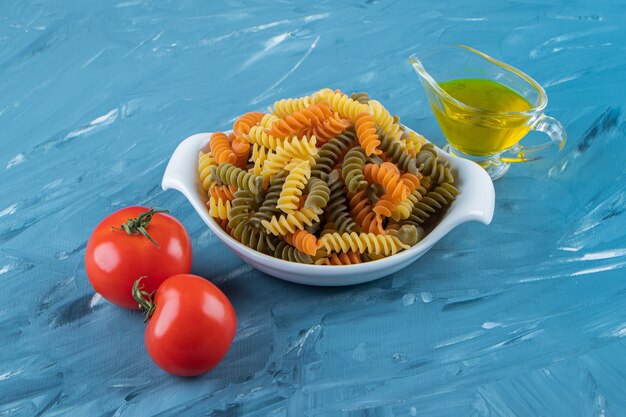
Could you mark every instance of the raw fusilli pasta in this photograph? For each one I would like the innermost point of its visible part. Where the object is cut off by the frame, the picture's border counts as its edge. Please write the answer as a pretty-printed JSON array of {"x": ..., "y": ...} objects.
[
  {"x": 295, "y": 148},
  {"x": 294, "y": 184},
  {"x": 352, "y": 169},
  {"x": 327, "y": 179},
  {"x": 220, "y": 148}
]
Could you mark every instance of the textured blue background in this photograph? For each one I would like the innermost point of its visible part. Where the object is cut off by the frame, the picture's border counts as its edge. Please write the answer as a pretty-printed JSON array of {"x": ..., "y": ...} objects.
[{"x": 525, "y": 317}]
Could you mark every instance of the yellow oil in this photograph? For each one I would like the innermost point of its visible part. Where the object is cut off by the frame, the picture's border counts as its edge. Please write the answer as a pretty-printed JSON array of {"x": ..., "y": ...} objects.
[{"x": 486, "y": 131}]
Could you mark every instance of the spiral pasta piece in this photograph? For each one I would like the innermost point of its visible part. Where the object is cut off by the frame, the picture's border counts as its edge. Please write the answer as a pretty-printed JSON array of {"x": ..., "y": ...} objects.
[
  {"x": 296, "y": 148},
  {"x": 328, "y": 128},
  {"x": 205, "y": 162},
  {"x": 412, "y": 181},
  {"x": 343, "y": 258},
  {"x": 318, "y": 196},
  {"x": 243, "y": 125},
  {"x": 342, "y": 104},
  {"x": 239, "y": 213},
  {"x": 289, "y": 223},
  {"x": 304, "y": 241},
  {"x": 366, "y": 132},
  {"x": 229, "y": 174},
  {"x": 289, "y": 253},
  {"x": 363, "y": 214},
  {"x": 413, "y": 143},
  {"x": 296, "y": 123},
  {"x": 431, "y": 166},
  {"x": 397, "y": 154},
  {"x": 283, "y": 108},
  {"x": 332, "y": 152},
  {"x": 269, "y": 208},
  {"x": 222, "y": 192},
  {"x": 258, "y": 240},
  {"x": 362, "y": 242},
  {"x": 405, "y": 208},
  {"x": 374, "y": 192},
  {"x": 337, "y": 209},
  {"x": 292, "y": 188},
  {"x": 219, "y": 208},
  {"x": 241, "y": 149},
  {"x": 220, "y": 148},
  {"x": 361, "y": 97},
  {"x": 352, "y": 169},
  {"x": 386, "y": 175},
  {"x": 385, "y": 120},
  {"x": 258, "y": 156},
  {"x": 258, "y": 136}
]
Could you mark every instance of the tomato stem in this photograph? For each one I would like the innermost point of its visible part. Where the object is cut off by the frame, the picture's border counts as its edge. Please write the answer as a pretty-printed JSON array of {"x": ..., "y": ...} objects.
[
  {"x": 144, "y": 298},
  {"x": 138, "y": 225}
]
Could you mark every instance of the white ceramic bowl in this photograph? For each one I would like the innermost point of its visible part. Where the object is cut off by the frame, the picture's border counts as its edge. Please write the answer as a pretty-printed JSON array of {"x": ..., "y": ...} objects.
[{"x": 474, "y": 203}]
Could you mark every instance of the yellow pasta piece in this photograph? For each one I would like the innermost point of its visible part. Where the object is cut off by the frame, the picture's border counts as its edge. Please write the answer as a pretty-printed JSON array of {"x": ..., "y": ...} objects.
[
  {"x": 295, "y": 182},
  {"x": 385, "y": 120},
  {"x": 258, "y": 135},
  {"x": 413, "y": 142},
  {"x": 287, "y": 106},
  {"x": 219, "y": 209},
  {"x": 205, "y": 162},
  {"x": 289, "y": 223},
  {"x": 404, "y": 209},
  {"x": 362, "y": 242},
  {"x": 291, "y": 149},
  {"x": 342, "y": 104},
  {"x": 258, "y": 156}
]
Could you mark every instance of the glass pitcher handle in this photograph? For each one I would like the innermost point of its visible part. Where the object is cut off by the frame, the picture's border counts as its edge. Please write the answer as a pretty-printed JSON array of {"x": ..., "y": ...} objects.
[{"x": 551, "y": 127}]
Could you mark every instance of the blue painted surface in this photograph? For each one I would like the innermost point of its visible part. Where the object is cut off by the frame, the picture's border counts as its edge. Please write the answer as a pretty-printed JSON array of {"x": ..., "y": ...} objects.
[{"x": 525, "y": 317}]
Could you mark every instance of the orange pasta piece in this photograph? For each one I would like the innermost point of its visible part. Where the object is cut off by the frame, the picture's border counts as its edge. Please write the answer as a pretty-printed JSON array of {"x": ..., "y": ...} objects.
[
  {"x": 303, "y": 241},
  {"x": 328, "y": 129},
  {"x": 220, "y": 148},
  {"x": 344, "y": 258},
  {"x": 387, "y": 175},
  {"x": 384, "y": 206},
  {"x": 241, "y": 149},
  {"x": 297, "y": 122},
  {"x": 363, "y": 214},
  {"x": 366, "y": 133},
  {"x": 243, "y": 125},
  {"x": 412, "y": 181},
  {"x": 222, "y": 192}
]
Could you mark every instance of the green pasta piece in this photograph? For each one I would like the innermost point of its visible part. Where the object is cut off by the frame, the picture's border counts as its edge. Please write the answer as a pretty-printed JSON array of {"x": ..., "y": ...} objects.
[
  {"x": 432, "y": 166},
  {"x": 239, "y": 214},
  {"x": 352, "y": 169},
  {"x": 289, "y": 253},
  {"x": 399, "y": 156},
  {"x": 229, "y": 174},
  {"x": 362, "y": 97},
  {"x": 259, "y": 240},
  {"x": 374, "y": 191},
  {"x": 331, "y": 152},
  {"x": 408, "y": 234},
  {"x": 318, "y": 196},
  {"x": 396, "y": 120},
  {"x": 268, "y": 208},
  {"x": 337, "y": 208},
  {"x": 245, "y": 203}
]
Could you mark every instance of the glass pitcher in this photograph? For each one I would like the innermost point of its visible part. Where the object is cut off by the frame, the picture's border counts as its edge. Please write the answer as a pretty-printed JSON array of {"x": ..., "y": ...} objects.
[{"x": 490, "y": 138}]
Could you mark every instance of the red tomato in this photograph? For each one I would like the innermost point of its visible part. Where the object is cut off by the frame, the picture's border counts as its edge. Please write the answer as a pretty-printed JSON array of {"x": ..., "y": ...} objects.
[
  {"x": 192, "y": 324},
  {"x": 131, "y": 243}
]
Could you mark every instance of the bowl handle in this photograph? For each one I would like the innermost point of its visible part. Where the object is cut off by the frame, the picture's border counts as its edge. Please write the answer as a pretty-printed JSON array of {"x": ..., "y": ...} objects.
[
  {"x": 178, "y": 174},
  {"x": 479, "y": 193}
]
